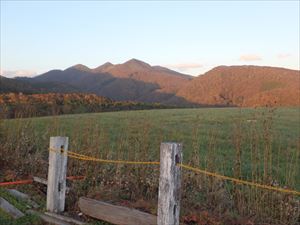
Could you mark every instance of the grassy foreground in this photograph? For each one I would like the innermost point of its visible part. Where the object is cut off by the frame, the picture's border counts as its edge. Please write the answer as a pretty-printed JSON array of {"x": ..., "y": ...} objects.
[{"x": 253, "y": 144}]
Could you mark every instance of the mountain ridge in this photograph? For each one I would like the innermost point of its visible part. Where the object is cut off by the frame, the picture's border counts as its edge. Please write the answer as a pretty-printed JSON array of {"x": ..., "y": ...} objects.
[
  {"x": 135, "y": 80},
  {"x": 245, "y": 86}
]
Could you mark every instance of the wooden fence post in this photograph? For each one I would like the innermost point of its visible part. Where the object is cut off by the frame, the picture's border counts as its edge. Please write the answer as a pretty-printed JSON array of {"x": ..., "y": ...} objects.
[
  {"x": 57, "y": 173},
  {"x": 169, "y": 184}
]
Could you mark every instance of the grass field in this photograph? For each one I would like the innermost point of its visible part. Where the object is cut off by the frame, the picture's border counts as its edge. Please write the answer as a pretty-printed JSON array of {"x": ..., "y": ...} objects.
[{"x": 253, "y": 144}]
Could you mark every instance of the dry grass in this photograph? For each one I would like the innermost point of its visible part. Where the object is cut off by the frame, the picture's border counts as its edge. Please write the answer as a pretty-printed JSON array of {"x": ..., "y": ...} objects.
[{"x": 259, "y": 150}]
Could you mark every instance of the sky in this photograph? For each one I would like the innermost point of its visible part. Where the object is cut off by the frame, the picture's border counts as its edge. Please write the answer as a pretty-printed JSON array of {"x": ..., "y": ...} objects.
[{"x": 187, "y": 36}]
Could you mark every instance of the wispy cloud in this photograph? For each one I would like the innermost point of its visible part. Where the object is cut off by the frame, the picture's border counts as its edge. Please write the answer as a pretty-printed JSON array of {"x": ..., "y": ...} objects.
[
  {"x": 18, "y": 73},
  {"x": 250, "y": 57},
  {"x": 283, "y": 55},
  {"x": 184, "y": 66}
]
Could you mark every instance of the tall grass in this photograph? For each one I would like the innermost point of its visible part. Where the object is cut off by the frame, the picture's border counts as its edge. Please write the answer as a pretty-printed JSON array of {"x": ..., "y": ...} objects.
[{"x": 246, "y": 144}]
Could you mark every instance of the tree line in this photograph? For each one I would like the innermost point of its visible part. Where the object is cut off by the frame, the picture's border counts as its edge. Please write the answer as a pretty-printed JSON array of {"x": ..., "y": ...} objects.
[{"x": 19, "y": 105}]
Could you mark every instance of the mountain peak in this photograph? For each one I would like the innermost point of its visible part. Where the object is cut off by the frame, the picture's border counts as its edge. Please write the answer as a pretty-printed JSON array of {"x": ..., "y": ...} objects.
[
  {"x": 108, "y": 64},
  {"x": 137, "y": 64},
  {"x": 80, "y": 67},
  {"x": 104, "y": 67}
]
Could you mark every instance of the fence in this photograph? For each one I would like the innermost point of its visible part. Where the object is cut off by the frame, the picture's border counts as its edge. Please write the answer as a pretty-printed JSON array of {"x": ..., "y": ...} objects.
[{"x": 169, "y": 179}]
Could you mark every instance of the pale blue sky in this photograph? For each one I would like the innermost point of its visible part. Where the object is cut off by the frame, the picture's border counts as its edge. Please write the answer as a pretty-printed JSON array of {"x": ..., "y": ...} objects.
[{"x": 190, "y": 37}]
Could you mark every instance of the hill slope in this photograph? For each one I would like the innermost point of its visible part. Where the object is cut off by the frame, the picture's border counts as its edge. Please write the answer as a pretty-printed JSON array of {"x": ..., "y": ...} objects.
[
  {"x": 29, "y": 86},
  {"x": 133, "y": 80},
  {"x": 244, "y": 86}
]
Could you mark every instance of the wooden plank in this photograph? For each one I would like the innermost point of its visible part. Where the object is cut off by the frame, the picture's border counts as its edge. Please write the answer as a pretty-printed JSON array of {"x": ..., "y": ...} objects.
[
  {"x": 56, "y": 188},
  {"x": 115, "y": 214},
  {"x": 65, "y": 218},
  {"x": 40, "y": 180},
  {"x": 48, "y": 219},
  {"x": 23, "y": 196},
  {"x": 45, "y": 182},
  {"x": 169, "y": 184},
  {"x": 10, "y": 209},
  {"x": 17, "y": 194}
]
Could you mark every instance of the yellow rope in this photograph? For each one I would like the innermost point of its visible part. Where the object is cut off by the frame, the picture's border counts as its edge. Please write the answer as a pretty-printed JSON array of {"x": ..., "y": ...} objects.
[
  {"x": 88, "y": 158},
  {"x": 238, "y": 181},
  {"x": 235, "y": 180}
]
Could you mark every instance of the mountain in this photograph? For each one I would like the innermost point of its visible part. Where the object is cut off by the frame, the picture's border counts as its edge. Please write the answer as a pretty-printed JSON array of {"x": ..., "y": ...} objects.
[
  {"x": 138, "y": 81},
  {"x": 81, "y": 68},
  {"x": 103, "y": 68},
  {"x": 29, "y": 86},
  {"x": 133, "y": 80},
  {"x": 12, "y": 85},
  {"x": 244, "y": 86}
]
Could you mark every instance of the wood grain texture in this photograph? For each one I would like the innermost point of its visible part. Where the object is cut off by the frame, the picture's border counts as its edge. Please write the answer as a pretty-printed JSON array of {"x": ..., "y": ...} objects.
[
  {"x": 115, "y": 214},
  {"x": 169, "y": 184},
  {"x": 56, "y": 188}
]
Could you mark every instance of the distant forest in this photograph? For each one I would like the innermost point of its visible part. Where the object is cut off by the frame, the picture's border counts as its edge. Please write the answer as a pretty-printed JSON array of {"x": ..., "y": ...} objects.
[{"x": 13, "y": 105}]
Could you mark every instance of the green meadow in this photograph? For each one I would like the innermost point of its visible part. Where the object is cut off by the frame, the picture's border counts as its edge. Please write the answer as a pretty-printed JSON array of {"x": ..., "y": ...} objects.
[
  {"x": 200, "y": 131},
  {"x": 260, "y": 145}
]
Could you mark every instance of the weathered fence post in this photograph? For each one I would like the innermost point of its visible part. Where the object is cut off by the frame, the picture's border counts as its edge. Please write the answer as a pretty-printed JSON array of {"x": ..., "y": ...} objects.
[
  {"x": 169, "y": 184},
  {"x": 57, "y": 172}
]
